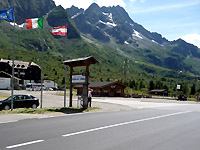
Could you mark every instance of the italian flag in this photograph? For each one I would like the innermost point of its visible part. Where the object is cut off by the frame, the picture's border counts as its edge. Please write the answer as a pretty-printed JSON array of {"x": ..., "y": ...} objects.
[
  {"x": 62, "y": 30},
  {"x": 34, "y": 23}
]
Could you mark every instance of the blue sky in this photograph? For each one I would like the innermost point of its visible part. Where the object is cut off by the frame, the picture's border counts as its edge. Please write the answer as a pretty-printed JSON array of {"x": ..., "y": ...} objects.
[{"x": 172, "y": 18}]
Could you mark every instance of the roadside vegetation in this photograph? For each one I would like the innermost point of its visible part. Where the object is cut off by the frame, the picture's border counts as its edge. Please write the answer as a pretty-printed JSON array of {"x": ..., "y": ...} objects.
[
  {"x": 2, "y": 96},
  {"x": 65, "y": 110}
]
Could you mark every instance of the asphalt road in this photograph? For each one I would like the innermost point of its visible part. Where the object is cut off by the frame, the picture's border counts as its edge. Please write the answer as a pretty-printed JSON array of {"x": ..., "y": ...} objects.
[{"x": 160, "y": 128}]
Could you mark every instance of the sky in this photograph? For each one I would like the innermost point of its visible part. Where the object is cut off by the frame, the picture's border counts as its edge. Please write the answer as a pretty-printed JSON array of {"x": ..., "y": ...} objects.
[{"x": 173, "y": 19}]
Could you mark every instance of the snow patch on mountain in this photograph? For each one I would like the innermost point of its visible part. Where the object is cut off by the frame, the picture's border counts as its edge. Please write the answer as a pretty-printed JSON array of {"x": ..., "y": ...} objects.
[
  {"x": 154, "y": 41},
  {"x": 20, "y": 26},
  {"x": 125, "y": 42},
  {"x": 106, "y": 14},
  {"x": 137, "y": 34},
  {"x": 108, "y": 23},
  {"x": 109, "y": 15},
  {"x": 75, "y": 15}
]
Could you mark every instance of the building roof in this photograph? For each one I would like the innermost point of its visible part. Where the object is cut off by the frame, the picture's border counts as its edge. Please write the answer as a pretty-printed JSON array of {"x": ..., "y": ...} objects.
[
  {"x": 19, "y": 64},
  {"x": 81, "y": 61},
  {"x": 7, "y": 75},
  {"x": 157, "y": 90},
  {"x": 101, "y": 84}
]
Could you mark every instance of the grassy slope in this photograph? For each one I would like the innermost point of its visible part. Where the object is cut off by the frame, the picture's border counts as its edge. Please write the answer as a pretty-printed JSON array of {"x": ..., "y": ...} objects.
[{"x": 28, "y": 48}]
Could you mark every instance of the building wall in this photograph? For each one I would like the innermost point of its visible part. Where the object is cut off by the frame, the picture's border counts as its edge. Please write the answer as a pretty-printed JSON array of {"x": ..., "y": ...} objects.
[
  {"x": 31, "y": 73},
  {"x": 5, "y": 83},
  {"x": 112, "y": 91},
  {"x": 5, "y": 67}
]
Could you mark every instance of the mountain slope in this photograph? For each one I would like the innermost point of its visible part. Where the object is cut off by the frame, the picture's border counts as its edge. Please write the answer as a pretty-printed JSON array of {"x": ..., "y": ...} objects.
[
  {"x": 28, "y": 9},
  {"x": 112, "y": 20},
  {"x": 109, "y": 34},
  {"x": 113, "y": 26}
]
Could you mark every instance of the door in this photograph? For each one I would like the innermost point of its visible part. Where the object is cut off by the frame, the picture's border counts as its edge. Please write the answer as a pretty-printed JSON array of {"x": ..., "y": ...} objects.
[{"x": 19, "y": 101}]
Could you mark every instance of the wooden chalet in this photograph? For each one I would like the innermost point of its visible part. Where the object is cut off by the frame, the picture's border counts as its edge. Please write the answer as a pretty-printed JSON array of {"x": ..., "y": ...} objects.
[
  {"x": 22, "y": 70},
  {"x": 104, "y": 89},
  {"x": 162, "y": 92}
]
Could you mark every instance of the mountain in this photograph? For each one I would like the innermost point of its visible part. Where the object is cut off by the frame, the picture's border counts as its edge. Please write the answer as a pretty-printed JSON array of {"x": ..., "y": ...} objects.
[
  {"x": 113, "y": 25},
  {"x": 110, "y": 21},
  {"x": 62, "y": 18},
  {"x": 28, "y": 9},
  {"x": 126, "y": 51}
]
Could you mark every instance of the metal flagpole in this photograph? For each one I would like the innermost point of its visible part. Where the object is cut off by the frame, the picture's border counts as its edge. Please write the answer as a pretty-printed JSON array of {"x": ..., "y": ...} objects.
[
  {"x": 65, "y": 86},
  {"x": 41, "y": 78},
  {"x": 13, "y": 57},
  {"x": 42, "y": 74}
]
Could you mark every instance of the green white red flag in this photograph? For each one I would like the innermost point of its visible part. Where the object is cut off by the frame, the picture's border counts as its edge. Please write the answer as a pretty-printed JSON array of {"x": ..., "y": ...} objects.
[
  {"x": 62, "y": 30},
  {"x": 34, "y": 23}
]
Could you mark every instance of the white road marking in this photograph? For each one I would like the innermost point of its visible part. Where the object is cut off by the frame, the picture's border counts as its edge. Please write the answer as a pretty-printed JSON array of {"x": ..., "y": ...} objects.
[
  {"x": 124, "y": 123},
  {"x": 65, "y": 115},
  {"x": 23, "y": 144},
  {"x": 9, "y": 121}
]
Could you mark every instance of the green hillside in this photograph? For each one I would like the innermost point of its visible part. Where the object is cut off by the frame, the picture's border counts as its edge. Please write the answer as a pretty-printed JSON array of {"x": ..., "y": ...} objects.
[
  {"x": 134, "y": 70},
  {"x": 111, "y": 64}
]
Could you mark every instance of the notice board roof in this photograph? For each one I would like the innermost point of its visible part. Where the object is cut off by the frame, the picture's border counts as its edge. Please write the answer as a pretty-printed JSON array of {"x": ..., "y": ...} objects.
[{"x": 81, "y": 61}]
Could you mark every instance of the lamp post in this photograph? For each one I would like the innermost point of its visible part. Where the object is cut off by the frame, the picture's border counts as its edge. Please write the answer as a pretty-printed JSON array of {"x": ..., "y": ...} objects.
[{"x": 178, "y": 87}]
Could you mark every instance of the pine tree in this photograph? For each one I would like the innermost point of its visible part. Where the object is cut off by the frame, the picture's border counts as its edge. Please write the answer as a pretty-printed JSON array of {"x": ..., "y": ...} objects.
[
  {"x": 193, "y": 90},
  {"x": 151, "y": 85}
]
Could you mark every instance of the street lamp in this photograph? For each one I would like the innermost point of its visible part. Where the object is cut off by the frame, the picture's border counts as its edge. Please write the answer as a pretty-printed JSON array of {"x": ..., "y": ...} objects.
[{"x": 178, "y": 87}]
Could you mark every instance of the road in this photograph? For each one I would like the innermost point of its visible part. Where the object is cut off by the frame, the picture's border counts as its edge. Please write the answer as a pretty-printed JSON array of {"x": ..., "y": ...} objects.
[{"x": 159, "y": 128}]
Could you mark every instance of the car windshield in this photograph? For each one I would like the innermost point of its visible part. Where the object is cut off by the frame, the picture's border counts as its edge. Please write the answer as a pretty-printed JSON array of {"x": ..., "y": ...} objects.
[
  {"x": 19, "y": 97},
  {"x": 8, "y": 99}
]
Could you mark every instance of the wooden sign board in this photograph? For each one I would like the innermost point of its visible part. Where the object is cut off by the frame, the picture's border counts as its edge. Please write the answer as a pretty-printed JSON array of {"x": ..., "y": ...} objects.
[{"x": 78, "y": 79}]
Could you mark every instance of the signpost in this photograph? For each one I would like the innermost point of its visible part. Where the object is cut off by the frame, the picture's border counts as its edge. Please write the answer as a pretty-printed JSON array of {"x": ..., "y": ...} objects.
[
  {"x": 178, "y": 87},
  {"x": 80, "y": 78}
]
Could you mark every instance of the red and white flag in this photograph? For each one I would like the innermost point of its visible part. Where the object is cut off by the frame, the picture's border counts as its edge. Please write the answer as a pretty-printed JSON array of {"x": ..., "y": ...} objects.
[{"x": 62, "y": 30}]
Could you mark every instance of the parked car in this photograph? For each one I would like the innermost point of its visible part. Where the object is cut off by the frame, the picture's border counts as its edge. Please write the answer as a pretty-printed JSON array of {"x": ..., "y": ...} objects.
[
  {"x": 182, "y": 97},
  {"x": 20, "y": 101}
]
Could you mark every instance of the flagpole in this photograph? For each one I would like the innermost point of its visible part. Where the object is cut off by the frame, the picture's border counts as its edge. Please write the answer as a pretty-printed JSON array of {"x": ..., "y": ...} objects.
[
  {"x": 65, "y": 86},
  {"x": 41, "y": 96},
  {"x": 13, "y": 56},
  {"x": 41, "y": 78}
]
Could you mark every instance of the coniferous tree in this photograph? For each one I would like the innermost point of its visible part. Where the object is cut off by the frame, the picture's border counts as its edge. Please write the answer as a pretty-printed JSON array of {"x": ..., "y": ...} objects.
[
  {"x": 132, "y": 84},
  {"x": 63, "y": 80},
  {"x": 141, "y": 85},
  {"x": 193, "y": 89},
  {"x": 151, "y": 85},
  {"x": 185, "y": 89}
]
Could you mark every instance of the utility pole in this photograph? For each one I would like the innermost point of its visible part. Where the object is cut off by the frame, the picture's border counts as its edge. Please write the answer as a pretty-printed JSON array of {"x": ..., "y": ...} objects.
[{"x": 125, "y": 68}]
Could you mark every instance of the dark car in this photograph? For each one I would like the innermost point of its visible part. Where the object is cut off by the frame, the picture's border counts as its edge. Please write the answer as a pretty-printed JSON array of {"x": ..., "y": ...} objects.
[
  {"x": 182, "y": 97},
  {"x": 20, "y": 101}
]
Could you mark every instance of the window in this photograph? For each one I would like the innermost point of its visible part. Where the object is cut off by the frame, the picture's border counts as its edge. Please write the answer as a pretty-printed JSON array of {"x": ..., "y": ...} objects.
[
  {"x": 27, "y": 97},
  {"x": 118, "y": 91}
]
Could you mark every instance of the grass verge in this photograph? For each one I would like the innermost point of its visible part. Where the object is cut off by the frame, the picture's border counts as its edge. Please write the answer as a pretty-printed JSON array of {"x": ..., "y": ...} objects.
[
  {"x": 68, "y": 110},
  {"x": 2, "y": 97}
]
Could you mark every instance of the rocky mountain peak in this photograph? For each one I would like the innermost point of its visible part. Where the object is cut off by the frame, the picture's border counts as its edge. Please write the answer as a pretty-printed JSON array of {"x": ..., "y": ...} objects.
[
  {"x": 59, "y": 17},
  {"x": 73, "y": 11}
]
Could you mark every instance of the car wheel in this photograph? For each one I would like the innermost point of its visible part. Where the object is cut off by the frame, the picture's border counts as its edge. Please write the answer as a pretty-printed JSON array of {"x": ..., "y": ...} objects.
[
  {"x": 34, "y": 106},
  {"x": 6, "y": 107}
]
